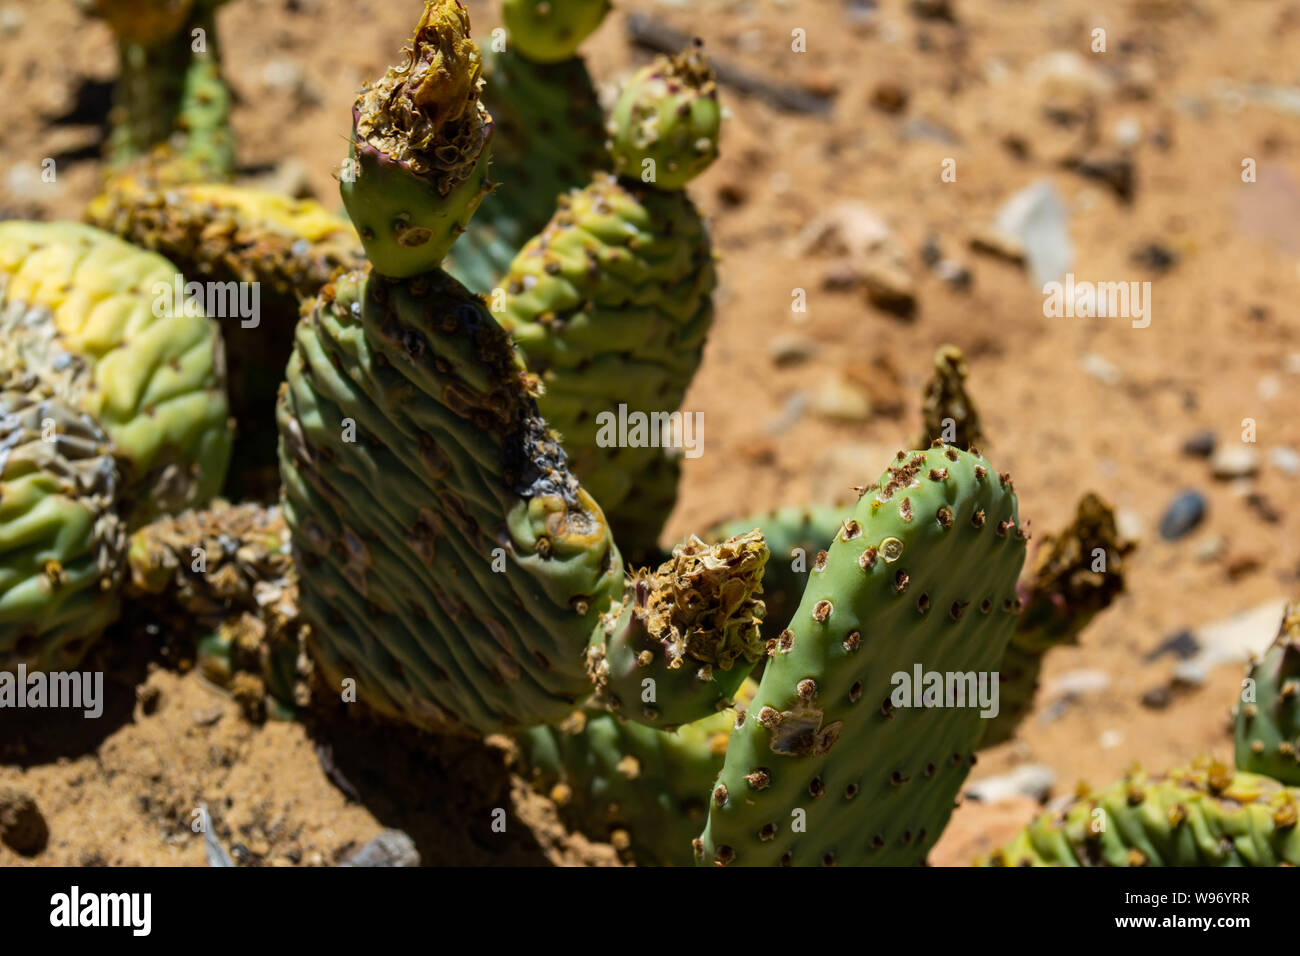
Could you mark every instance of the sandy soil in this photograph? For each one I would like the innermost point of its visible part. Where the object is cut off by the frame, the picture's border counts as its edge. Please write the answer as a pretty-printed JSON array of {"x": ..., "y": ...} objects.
[{"x": 1070, "y": 404}]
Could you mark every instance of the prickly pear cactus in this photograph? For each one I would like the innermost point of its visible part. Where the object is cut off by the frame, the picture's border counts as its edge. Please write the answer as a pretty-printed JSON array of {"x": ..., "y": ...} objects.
[
  {"x": 61, "y": 540},
  {"x": 228, "y": 570},
  {"x": 685, "y": 636},
  {"x": 1077, "y": 574},
  {"x": 642, "y": 790},
  {"x": 549, "y": 134},
  {"x": 833, "y": 763},
  {"x": 169, "y": 99},
  {"x": 549, "y": 31},
  {"x": 266, "y": 253},
  {"x": 418, "y": 165},
  {"x": 612, "y": 301},
  {"x": 90, "y": 316},
  {"x": 1267, "y": 727},
  {"x": 1203, "y": 815}
]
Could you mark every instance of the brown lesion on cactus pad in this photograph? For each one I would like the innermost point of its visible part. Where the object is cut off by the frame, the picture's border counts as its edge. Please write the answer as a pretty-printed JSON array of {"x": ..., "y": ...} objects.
[{"x": 799, "y": 732}]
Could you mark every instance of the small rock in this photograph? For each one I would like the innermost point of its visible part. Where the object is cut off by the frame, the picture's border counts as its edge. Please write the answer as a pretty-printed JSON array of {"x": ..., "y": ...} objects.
[
  {"x": 1028, "y": 780},
  {"x": 1127, "y": 133},
  {"x": 1262, "y": 507},
  {"x": 1234, "y": 461},
  {"x": 792, "y": 349},
  {"x": 1075, "y": 684},
  {"x": 1183, "y": 514},
  {"x": 841, "y": 276},
  {"x": 1116, "y": 172},
  {"x": 389, "y": 848},
  {"x": 1235, "y": 638},
  {"x": 931, "y": 252},
  {"x": 889, "y": 97},
  {"x": 1210, "y": 548},
  {"x": 1154, "y": 257},
  {"x": 1200, "y": 445},
  {"x": 889, "y": 285},
  {"x": 1268, "y": 388},
  {"x": 22, "y": 827},
  {"x": 1101, "y": 368},
  {"x": 991, "y": 241},
  {"x": 1190, "y": 674},
  {"x": 1285, "y": 460},
  {"x": 956, "y": 275},
  {"x": 1157, "y": 698},
  {"x": 1181, "y": 644},
  {"x": 1240, "y": 565},
  {"x": 1292, "y": 363},
  {"x": 1129, "y": 524},
  {"x": 933, "y": 10},
  {"x": 1110, "y": 739},
  {"x": 11, "y": 20},
  {"x": 841, "y": 400},
  {"x": 206, "y": 718},
  {"x": 1036, "y": 217},
  {"x": 928, "y": 130},
  {"x": 793, "y": 410}
]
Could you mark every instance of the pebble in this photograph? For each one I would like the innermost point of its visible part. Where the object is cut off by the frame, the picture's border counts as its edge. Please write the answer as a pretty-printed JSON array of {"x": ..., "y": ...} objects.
[
  {"x": 1032, "y": 780},
  {"x": 789, "y": 349},
  {"x": 1036, "y": 217},
  {"x": 1200, "y": 444},
  {"x": 1233, "y": 639},
  {"x": 1181, "y": 644},
  {"x": 956, "y": 275},
  {"x": 22, "y": 827},
  {"x": 889, "y": 97},
  {"x": 1110, "y": 739},
  {"x": 889, "y": 285},
  {"x": 1154, "y": 257},
  {"x": 1210, "y": 548},
  {"x": 1285, "y": 460},
  {"x": 1183, "y": 514},
  {"x": 1073, "y": 684},
  {"x": 1100, "y": 368},
  {"x": 1234, "y": 461},
  {"x": 841, "y": 400},
  {"x": 1157, "y": 698},
  {"x": 389, "y": 848},
  {"x": 1129, "y": 524}
]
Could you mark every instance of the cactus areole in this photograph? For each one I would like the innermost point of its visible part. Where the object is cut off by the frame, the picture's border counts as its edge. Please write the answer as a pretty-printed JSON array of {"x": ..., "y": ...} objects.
[{"x": 419, "y": 160}]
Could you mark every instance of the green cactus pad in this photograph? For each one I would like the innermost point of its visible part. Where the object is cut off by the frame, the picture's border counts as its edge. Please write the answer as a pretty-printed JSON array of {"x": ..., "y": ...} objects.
[
  {"x": 642, "y": 790},
  {"x": 548, "y": 137},
  {"x": 611, "y": 305},
  {"x": 419, "y": 148},
  {"x": 86, "y": 313},
  {"x": 1078, "y": 573},
  {"x": 794, "y": 537},
  {"x": 664, "y": 128},
  {"x": 828, "y": 768},
  {"x": 1267, "y": 726},
  {"x": 61, "y": 541},
  {"x": 548, "y": 31},
  {"x": 449, "y": 561},
  {"x": 684, "y": 636},
  {"x": 1204, "y": 815}
]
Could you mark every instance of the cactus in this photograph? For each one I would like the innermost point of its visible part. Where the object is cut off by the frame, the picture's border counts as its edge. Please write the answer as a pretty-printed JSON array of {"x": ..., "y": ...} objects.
[
  {"x": 1267, "y": 726},
  {"x": 84, "y": 313},
  {"x": 644, "y": 791},
  {"x": 948, "y": 413},
  {"x": 226, "y": 569},
  {"x": 169, "y": 100},
  {"x": 282, "y": 249},
  {"x": 1077, "y": 574},
  {"x": 1202, "y": 815},
  {"x": 684, "y": 637},
  {"x": 419, "y": 149},
  {"x": 826, "y": 768},
  {"x": 612, "y": 301},
  {"x": 549, "y": 134},
  {"x": 61, "y": 541}
]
